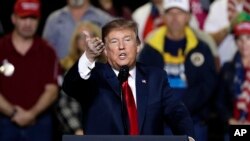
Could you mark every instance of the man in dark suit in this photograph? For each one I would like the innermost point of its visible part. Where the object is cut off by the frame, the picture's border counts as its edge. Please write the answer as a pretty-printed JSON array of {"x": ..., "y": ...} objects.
[{"x": 97, "y": 87}]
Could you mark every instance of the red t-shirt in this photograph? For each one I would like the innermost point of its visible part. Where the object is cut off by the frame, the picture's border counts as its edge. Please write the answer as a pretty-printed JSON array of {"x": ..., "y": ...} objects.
[{"x": 38, "y": 67}]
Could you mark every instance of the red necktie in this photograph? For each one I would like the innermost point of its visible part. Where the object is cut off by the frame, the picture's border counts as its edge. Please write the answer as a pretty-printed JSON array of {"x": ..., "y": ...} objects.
[{"x": 131, "y": 108}]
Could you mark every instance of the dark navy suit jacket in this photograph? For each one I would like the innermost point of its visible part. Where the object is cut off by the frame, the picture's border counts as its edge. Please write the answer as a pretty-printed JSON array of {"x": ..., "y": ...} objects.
[{"x": 100, "y": 98}]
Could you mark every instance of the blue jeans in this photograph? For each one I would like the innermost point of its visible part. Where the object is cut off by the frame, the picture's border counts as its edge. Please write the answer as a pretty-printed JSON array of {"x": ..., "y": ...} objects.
[{"x": 40, "y": 131}]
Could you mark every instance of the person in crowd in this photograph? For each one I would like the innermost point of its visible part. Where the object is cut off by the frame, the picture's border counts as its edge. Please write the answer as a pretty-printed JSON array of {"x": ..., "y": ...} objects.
[
  {"x": 234, "y": 92},
  {"x": 148, "y": 17},
  {"x": 68, "y": 109},
  {"x": 187, "y": 60},
  {"x": 61, "y": 23},
  {"x": 219, "y": 26},
  {"x": 78, "y": 44},
  {"x": 199, "y": 10},
  {"x": 122, "y": 96},
  {"x": 27, "y": 96},
  {"x": 115, "y": 8}
]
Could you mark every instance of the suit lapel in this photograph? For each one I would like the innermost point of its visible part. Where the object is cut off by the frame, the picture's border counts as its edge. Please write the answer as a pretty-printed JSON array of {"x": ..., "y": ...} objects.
[
  {"x": 112, "y": 80},
  {"x": 141, "y": 95}
]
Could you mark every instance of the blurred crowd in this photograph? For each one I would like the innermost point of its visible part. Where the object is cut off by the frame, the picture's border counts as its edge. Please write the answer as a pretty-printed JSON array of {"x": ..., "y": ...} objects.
[{"x": 203, "y": 45}]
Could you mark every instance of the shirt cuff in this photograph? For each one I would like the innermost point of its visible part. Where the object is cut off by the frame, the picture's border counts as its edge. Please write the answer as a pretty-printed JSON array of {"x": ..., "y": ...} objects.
[
  {"x": 85, "y": 66},
  {"x": 190, "y": 139}
]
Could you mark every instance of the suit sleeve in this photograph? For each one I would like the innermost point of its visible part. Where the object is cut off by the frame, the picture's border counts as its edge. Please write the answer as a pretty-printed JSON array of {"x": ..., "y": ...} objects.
[{"x": 73, "y": 84}]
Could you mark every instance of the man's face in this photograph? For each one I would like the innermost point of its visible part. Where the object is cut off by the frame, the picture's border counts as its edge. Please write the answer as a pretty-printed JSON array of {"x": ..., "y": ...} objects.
[
  {"x": 121, "y": 48},
  {"x": 243, "y": 43},
  {"x": 25, "y": 26},
  {"x": 176, "y": 19},
  {"x": 76, "y": 3}
]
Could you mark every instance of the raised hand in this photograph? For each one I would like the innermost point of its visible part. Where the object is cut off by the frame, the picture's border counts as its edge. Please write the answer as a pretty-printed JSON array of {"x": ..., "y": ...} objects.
[{"x": 94, "y": 46}]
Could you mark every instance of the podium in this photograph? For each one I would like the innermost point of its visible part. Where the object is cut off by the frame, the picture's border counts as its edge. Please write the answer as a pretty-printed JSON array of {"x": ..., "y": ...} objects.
[{"x": 124, "y": 138}]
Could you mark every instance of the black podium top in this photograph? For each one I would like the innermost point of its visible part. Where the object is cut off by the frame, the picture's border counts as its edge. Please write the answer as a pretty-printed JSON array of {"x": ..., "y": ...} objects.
[{"x": 123, "y": 138}]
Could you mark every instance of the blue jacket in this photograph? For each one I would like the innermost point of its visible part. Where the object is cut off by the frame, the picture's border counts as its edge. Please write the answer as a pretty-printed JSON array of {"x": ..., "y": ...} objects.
[
  {"x": 100, "y": 98},
  {"x": 201, "y": 76}
]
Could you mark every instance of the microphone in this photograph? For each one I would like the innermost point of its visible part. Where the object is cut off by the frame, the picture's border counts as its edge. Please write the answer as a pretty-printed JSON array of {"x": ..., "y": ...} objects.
[
  {"x": 123, "y": 74},
  {"x": 122, "y": 77},
  {"x": 7, "y": 68}
]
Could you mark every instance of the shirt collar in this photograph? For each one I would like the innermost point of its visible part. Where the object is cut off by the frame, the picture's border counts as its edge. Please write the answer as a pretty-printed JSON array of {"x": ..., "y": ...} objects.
[{"x": 66, "y": 9}]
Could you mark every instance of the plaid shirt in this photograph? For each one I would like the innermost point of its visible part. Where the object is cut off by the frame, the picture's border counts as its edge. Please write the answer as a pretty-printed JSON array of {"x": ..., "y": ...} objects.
[{"x": 69, "y": 113}]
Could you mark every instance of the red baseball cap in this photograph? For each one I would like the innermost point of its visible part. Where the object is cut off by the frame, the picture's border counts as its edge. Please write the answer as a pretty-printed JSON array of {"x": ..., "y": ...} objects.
[
  {"x": 242, "y": 28},
  {"x": 25, "y": 8}
]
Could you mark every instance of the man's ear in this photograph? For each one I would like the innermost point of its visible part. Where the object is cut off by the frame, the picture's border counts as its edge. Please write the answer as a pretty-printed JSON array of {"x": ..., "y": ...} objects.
[
  {"x": 105, "y": 50},
  {"x": 138, "y": 48},
  {"x": 138, "y": 44}
]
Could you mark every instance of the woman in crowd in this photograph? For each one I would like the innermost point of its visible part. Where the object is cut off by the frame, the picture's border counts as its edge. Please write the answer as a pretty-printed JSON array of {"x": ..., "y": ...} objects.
[
  {"x": 68, "y": 109},
  {"x": 234, "y": 89}
]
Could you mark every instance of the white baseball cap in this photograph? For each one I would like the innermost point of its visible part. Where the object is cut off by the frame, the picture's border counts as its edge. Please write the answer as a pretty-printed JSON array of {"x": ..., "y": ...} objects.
[{"x": 181, "y": 4}]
